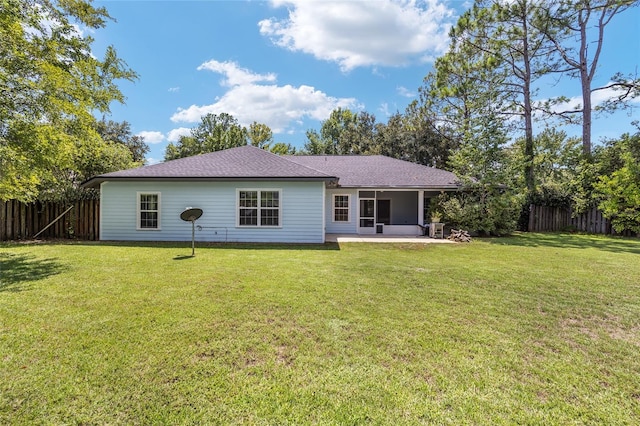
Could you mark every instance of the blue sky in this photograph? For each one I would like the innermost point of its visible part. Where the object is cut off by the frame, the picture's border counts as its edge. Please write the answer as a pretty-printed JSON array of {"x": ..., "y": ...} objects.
[{"x": 288, "y": 64}]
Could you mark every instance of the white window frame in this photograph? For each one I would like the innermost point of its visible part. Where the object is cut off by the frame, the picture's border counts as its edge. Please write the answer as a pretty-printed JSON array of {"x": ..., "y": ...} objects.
[
  {"x": 259, "y": 207},
  {"x": 348, "y": 208},
  {"x": 139, "y": 210}
]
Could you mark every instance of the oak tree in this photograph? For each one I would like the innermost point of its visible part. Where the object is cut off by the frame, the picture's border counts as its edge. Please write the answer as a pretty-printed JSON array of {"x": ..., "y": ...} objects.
[
  {"x": 215, "y": 132},
  {"x": 51, "y": 83}
]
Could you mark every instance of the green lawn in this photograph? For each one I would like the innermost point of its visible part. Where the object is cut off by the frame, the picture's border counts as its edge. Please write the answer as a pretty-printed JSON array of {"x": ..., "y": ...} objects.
[{"x": 533, "y": 329}]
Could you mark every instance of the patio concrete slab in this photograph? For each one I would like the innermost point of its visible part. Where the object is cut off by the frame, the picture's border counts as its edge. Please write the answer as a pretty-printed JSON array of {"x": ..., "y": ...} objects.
[{"x": 354, "y": 238}]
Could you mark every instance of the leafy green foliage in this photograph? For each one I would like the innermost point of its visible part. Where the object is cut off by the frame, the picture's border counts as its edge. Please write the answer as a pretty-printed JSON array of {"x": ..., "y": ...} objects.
[
  {"x": 489, "y": 203},
  {"x": 606, "y": 160},
  {"x": 502, "y": 39},
  {"x": 344, "y": 132},
  {"x": 415, "y": 137},
  {"x": 556, "y": 160},
  {"x": 482, "y": 209},
  {"x": 51, "y": 84},
  {"x": 466, "y": 92},
  {"x": 282, "y": 148},
  {"x": 410, "y": 137},
  {"x": 260, "y": 135},
  {"x": 217, "y": 132},
  {"x": 619, "y": 190},
  {"x": 497, "y": 52},
  {"x": 113, "y": 132},
  {"x": 214, "y": 133}
]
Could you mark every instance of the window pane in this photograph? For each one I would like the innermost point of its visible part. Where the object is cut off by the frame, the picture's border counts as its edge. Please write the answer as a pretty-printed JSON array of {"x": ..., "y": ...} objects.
[
  {"x": 341, "y": 201},
  {"x": 269, "y": 199},
  {"x": 248, "y": 198},
  {"x": 149, "y": 202},
  {"x": 269, "y": 217},
  {"x": 366, "y": 208},
  {"x": 148, "y": 219},
  {"x": 366, "y": 223},
  {"x": 248, "y": 217},
  {"x": 426, "y": 216},
  {"x": 341, "y": 215}
]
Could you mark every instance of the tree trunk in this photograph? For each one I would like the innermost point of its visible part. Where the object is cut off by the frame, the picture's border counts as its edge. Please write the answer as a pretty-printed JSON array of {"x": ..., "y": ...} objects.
[
  {"x": 528, "y": 119},
  {"x": 585, "y": 82},
  {"x": 586, "y": 116}
]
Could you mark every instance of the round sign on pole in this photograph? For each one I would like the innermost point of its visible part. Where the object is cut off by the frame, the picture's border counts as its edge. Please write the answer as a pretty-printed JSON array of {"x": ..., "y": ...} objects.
[{"x": 191, "y": 214}]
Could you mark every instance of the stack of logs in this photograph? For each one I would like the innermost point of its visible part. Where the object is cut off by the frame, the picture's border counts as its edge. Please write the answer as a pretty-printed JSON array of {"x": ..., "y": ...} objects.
[{"x": 460, "y": 236}]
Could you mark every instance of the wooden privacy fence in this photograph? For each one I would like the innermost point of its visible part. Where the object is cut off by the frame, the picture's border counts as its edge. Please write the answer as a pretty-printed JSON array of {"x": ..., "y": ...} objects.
[
  {"x": 19, "y": 221},
  {"x": 549, "y": 219}
]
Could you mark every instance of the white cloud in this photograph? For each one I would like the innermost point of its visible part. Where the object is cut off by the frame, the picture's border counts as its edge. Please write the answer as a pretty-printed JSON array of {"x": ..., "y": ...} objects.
[
  {"x": 151, "y": 137},
  {"x": 174, "y": 135},
  {"x": 384, "y": 109},
  {"x": 174, "y": 89},
  {"x": 363, "y": 33},
  {"x": 234, "y": 75},
  {"x": 151, "y": 161},
  {"x": 273, "y": 105},
  {"x": 403, "y": 91}
]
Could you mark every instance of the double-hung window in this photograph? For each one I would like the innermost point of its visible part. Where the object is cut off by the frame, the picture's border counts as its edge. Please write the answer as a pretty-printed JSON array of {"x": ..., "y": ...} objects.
[
  {"x": 148, "y": 210},
  {"x": 260, "y": 207},
  {"x": 341, "y": 208}
]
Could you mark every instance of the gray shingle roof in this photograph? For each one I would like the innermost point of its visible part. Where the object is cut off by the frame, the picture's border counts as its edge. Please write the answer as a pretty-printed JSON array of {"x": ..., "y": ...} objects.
[
  {"x": 251, "y": 163},
  {"x": 245, "y": 162},
  {"x": 378, "y": 171}
]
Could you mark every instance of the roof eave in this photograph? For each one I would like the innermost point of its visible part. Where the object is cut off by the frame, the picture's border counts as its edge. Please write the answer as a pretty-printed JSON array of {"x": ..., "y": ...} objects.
[
  {"x": 96, "y": 181},
  {"x": 425, "y": 187}
]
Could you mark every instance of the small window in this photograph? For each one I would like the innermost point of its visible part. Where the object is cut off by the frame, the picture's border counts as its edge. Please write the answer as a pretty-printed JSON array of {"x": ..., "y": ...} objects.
[
  {"x": 341, "y": 208},
  {"x": 149, "y": 210},
  {"x": 259, "y": 208}
]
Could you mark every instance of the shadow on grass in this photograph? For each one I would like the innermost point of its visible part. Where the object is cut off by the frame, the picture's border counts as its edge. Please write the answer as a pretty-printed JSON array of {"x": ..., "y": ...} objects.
[
  {"x": 205, "y": 245},
  {"x": 576, "y": 241},
  {"x": 19, "y": 269},
  {"x": 183, "y": 257}
]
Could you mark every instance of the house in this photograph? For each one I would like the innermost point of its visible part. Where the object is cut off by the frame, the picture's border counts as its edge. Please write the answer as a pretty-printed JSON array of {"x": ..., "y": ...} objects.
[{"x": 248, "y": 194}]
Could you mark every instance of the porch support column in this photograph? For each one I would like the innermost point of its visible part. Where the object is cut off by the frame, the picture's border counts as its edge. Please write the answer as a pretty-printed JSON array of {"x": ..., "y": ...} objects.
[{"x": 420, "y": 207}]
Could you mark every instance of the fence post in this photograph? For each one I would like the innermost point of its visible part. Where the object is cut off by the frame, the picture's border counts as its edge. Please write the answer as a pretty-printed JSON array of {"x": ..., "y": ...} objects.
[
  {"x": 3, "y": 217},
  {"x": 10, "y": 220}
]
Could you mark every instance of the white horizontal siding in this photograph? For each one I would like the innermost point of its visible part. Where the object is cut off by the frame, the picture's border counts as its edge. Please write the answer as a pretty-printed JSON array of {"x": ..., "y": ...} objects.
[{"x": 301, "y": 212}]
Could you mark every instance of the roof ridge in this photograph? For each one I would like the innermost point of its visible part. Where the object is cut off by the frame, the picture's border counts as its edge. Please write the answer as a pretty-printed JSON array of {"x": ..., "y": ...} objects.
[
  {"x": 283, "y": 157},
  {"x": 309, "y": 167}
]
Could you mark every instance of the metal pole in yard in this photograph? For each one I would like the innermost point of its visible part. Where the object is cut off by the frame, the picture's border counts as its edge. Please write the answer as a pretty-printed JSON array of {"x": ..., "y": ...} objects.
[{"x": 193, "y": 238}]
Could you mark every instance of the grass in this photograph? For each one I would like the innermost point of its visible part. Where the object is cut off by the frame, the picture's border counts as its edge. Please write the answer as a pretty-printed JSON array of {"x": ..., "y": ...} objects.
[{"x": 533, "y": 329}]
